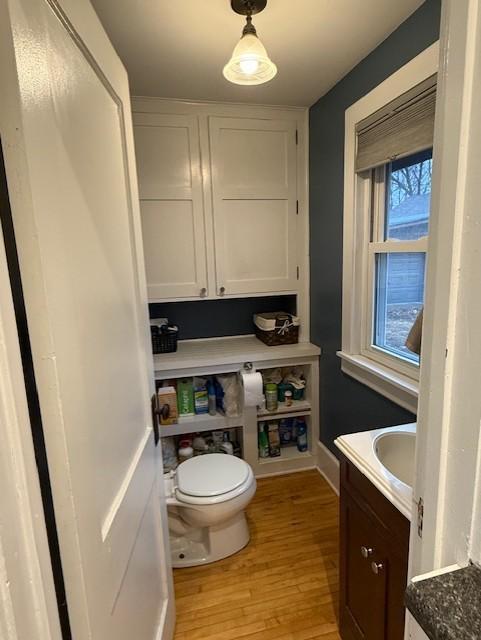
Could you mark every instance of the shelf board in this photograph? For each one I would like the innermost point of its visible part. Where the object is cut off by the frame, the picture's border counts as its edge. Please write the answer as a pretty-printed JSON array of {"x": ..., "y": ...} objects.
[
  {"x": 297, "y": 408},
  {"x": 228, "y": 352},
  {"x": 287, "y": 453},
  {"x": 199, "y": 423}
]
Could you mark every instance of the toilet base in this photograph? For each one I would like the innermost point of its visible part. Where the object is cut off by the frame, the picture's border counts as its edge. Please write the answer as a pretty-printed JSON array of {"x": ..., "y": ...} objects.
[{"x": 209, "y": 544}]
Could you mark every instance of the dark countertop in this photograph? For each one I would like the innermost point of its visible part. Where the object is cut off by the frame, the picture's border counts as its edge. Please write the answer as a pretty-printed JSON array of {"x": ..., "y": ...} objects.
[{"x": 448, "y": 606}]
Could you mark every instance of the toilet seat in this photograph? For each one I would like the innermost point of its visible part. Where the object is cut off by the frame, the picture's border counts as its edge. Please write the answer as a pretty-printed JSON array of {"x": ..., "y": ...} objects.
[{"x": 212, "y": 479}]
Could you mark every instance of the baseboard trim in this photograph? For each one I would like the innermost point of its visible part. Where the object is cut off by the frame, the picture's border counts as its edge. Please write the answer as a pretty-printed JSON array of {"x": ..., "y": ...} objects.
[
  {"x": 286, "y": 472},
  {"x": 328, "y": 466}
]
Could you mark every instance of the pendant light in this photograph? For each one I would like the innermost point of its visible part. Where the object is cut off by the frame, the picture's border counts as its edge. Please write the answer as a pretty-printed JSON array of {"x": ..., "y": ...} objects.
[{"x": 249, "y": 64}]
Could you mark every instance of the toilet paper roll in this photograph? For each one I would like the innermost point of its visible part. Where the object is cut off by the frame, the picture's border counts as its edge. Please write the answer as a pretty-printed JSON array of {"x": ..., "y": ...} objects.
[{"x": 252, "y": 388}]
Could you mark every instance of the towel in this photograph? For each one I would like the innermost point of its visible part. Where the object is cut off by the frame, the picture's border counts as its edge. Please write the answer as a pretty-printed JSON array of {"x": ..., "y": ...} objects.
[{"x": 414, "y": 339}]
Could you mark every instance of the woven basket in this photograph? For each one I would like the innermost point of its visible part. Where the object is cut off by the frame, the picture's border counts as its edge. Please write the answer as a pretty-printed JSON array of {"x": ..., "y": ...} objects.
[{"x": 276, "y": 329}]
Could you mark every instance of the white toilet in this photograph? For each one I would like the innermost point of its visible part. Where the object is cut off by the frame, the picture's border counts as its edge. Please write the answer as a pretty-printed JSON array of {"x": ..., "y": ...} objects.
[{"x": 206, "y": 498}]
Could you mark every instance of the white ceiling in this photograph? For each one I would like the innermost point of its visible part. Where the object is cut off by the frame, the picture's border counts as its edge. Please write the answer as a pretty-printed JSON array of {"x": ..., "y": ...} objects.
[{"x": 177, "y": 48}]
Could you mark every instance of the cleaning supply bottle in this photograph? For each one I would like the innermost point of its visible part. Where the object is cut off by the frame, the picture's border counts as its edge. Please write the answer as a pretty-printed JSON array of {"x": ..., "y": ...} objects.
[
  {"x": 212, "y": 401},
  {"x": 301, "y": 434},
  {"x": 263, "y": 441}
]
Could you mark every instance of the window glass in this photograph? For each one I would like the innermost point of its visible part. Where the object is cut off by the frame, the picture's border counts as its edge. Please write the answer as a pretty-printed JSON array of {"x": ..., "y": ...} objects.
[
  {"x": 399, "y": 298},
  {"x": 408, "y": 197}
]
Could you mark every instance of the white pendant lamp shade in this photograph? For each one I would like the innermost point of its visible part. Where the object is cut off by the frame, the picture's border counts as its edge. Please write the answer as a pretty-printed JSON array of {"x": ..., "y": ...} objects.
[{"x": 249, "y": 63}]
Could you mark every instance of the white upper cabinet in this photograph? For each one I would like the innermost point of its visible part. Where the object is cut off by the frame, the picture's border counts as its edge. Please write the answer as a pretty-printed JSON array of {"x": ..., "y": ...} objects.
[
  {"x": 219, "y": 199},
  {"x": 254, "y": 204},
  {"x": 171, "y": 203}
]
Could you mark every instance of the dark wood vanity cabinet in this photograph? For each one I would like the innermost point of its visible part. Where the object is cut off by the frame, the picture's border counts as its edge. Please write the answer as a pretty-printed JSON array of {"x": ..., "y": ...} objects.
[{"x": 374, "y": 560}]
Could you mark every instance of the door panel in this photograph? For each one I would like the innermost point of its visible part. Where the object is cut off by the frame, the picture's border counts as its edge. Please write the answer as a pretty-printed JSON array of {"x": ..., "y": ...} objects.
[
  {"x": 365, "y": 591},
  {"x": 170, "y": 185},
  {"x": 88, "y": 322},
  {"x": 254, "y": 200}
]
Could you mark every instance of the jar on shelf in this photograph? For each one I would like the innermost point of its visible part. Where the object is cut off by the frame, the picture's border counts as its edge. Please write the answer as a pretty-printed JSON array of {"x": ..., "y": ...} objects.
[{"x": 271, "y": 397}]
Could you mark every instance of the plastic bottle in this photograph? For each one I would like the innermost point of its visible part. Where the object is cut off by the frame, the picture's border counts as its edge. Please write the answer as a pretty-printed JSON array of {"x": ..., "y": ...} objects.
[
  {"x": 301, "y": 435},
  {"x": 212, "y": 402},
  {"x": 227, "y": 445},
  {"x": 263, "y": 442},
  {"x": 271, "y": 397}
]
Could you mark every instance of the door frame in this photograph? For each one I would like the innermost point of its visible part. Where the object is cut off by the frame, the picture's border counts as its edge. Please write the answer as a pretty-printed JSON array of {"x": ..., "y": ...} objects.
[
  {"x": 29, "y": 603},
  {"x": 448, "y": 457}
]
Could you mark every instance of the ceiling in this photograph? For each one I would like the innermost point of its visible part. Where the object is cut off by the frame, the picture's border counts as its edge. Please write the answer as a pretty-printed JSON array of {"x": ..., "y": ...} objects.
[{"x": 177, "y": 48}]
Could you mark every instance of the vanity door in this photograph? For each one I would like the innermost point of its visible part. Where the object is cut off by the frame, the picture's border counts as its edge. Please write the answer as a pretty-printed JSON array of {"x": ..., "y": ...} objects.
[{"x": 364, "y": 575}]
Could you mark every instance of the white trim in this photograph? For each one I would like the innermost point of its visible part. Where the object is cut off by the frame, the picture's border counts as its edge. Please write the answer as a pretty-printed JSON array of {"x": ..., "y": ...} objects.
[
  {"x": 329, "y": 467},
  {"x": 356, "y": 234},
  {"x": 447, "y": 466},
  {"x": 28, "y": 606},
  {"x": 389, "y": 383}
]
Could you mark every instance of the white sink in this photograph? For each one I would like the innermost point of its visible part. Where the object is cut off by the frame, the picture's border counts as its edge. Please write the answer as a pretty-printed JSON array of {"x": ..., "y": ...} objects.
[
  {"x": 395, "y": 451},
  {"x": 386, "y": 457}
]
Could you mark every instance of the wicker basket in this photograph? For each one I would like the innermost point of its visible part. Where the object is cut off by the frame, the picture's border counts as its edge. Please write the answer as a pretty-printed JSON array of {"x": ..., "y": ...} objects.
[
  {"x": 164, "y": 341},
  {"x": 277, "y": 328}
]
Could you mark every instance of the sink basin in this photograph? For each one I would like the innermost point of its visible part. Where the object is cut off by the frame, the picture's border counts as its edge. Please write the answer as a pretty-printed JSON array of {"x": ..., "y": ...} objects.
[{"x": 395, "y": 451}]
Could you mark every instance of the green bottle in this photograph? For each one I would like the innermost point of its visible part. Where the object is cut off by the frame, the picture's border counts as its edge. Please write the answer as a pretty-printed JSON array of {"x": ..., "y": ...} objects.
[{"x": 263, "y": 442}]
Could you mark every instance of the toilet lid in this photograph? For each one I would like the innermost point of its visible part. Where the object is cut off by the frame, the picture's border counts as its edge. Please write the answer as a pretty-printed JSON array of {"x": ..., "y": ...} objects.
[{"x": 211, "y": 475}]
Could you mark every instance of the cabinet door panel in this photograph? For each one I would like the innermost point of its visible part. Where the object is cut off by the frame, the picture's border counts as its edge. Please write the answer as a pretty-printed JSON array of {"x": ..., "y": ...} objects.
[
  {"x": 254, "y": 203},
  {"x": 255, "y": 245},
  {"x": 171, "y": 200},
  {"x": 364, "y": 593},
  {"x": 169, "y": 246}
]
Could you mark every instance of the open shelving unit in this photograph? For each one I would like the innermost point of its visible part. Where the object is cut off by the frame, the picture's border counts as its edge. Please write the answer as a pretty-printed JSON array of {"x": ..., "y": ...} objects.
[{"x": 226, "y": 355}]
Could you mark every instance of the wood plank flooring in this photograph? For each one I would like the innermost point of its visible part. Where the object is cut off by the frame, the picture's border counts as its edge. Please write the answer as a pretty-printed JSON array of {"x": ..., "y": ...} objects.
[{"x": 284, "y": 584}]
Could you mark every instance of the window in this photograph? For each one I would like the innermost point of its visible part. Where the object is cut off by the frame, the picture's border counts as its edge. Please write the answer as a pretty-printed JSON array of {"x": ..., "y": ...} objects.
[
  {"x": 401, "y": 193},
  {"x": 387, "y": 190}
]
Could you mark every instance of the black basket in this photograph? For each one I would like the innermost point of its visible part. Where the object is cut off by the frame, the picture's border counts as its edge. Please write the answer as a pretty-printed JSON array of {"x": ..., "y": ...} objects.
[{"x": 164, "y": 341}]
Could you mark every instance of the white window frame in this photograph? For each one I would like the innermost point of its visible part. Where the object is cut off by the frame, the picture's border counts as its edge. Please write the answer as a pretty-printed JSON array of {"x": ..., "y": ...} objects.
[{"x": 386, "y": 374}]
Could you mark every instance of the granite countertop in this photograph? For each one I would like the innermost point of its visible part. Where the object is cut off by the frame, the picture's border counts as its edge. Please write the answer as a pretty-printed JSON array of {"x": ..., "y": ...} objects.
[{"x": 448, "y": 606}]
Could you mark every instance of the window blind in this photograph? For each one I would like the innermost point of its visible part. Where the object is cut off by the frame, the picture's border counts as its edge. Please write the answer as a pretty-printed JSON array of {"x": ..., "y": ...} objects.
[{"x": 403, "y": 127}]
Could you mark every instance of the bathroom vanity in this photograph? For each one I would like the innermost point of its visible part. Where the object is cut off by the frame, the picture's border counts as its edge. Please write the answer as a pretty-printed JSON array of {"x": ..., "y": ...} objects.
[{"x": 375, "y": 524}]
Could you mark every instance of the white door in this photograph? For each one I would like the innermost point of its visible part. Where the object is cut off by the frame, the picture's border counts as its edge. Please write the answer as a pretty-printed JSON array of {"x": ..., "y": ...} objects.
[
  {"x": 253, "y": 166},
  {"x": 171, "y": 203},
  {"x": 66, "y": 129}
]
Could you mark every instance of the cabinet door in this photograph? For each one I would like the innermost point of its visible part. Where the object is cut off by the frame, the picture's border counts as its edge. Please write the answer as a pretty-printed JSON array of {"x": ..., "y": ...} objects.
[
  {"x": 364, "y": 575},
  {"x": 254, "y": 204},
  {"x": 171, "y": 204}
]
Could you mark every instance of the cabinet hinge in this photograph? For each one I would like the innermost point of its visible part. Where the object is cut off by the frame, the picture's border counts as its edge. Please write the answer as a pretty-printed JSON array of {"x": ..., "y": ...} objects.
[
  {"x": 420, "y": 517},
  {"x": 297, "y": 271},
  {"x": 297, "y": 207},
  {"x": 297, "y": 137}
]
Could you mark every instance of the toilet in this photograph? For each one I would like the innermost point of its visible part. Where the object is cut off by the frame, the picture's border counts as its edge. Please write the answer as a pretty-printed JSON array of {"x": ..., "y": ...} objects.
[{"x": 206, "y": 498}]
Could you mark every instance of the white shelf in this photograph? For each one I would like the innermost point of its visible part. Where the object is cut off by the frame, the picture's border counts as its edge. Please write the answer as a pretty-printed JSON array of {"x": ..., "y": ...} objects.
[
  {"x": 297, "y": 408},
  {"x": 230, "y": 352},
  {"x": 287, "y": 453},
  {"x": 198, "y": 423}
]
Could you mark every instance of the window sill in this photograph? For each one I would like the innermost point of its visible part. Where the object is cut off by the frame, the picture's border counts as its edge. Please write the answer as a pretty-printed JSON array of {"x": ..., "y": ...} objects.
[{"x": 389, "y": 383}]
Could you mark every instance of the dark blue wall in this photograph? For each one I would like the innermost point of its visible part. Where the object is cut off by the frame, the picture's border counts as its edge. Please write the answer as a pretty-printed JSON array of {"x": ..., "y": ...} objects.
[
  {"x": 213, "y": 318},
  {"x": 346, "y": 405}
]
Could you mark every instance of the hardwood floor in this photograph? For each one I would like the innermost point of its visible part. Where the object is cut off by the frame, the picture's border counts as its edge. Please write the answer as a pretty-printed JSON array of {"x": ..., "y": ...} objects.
[{"x": 284, "y": 584}]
